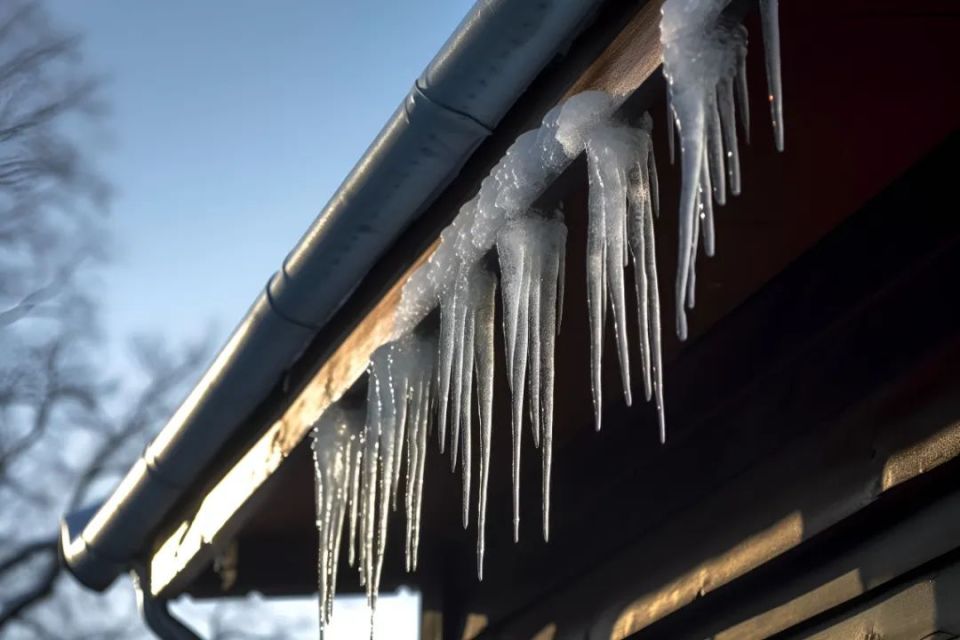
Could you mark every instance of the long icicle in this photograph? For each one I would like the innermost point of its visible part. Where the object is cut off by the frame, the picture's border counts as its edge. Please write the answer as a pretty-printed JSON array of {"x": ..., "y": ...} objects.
[
  {"x": 770, "y": 20},
  {"x": 531, "y": 252},
  {"x": 550, "y": 303},
  {"x": 486, "y": 290},
  {"x": 335, "y": 436},
  {"x": 644, "y": 205},
  {"x": 400, "y": 374},
  {"x": 619, "y": 162},
  {"x": 417, "y": 368},
  {"x": 459, "y": 305},
  {"x": 703, "y": 60}
]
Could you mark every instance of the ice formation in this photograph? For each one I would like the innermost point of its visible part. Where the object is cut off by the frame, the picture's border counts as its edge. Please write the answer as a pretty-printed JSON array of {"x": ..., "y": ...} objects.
[
  {"x": 399, "y": 396},
  {"x": 704, "y": 61},
  {"x": 531, "y": 163},
  {"x": 770, "y": 21},
  {"x": 531, "y": 252},
  {"x": 337, "y": 447},
  {"x": 623, "y": 198},
  {"x": 466, "y": 345},
  {"x": 458, "y": 279},
  {"x": 500, "y": 232}
]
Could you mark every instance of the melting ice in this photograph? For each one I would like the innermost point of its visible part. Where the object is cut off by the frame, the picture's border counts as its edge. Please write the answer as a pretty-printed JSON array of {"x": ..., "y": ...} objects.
[
  {"x": 623, "y": 197},
  {"x": 459, "y": 278},
  {"x": 531, "y": 252},
  {"x": 337, "y": 447},
  {"x": 399, "y": 396},
  {"x": 704, "y": 61}
]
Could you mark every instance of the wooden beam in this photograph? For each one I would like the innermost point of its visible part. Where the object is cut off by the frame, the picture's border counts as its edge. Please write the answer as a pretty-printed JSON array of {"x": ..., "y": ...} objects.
[{"x": 632, "y": 57}]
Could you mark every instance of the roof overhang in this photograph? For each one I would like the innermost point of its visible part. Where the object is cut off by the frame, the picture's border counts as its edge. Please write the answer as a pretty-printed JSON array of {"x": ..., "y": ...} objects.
[{"x": 782, "y": 397}]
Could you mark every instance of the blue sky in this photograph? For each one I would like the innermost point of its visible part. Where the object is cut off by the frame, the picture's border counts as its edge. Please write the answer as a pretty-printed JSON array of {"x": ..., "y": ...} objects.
[{"x": 231, "y": 124}]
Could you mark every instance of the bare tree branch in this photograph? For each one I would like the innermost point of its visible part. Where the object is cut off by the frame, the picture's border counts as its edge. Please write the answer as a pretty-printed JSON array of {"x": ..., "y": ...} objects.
[
  {"x": 66, "y": 428},
  {"x": 40, "y": 589},
  {"x": 27, "y": 552}
]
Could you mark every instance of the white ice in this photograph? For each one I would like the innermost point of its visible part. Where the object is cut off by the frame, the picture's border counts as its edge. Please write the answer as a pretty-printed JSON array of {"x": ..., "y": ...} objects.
[
  {"x": 466, "y": 329},
  {"x": 770, "y": 20},
  {"x": 458, "y": 280},
  {"x": 399, "y": 397},
  {"x": 622, "y": 200},
  {"x": 623, "y": 189},
  {"x": 704, "y": 61},
  {"x": 531, "y": 252},
  {"x": 336, "y": 450},
  {"x": 530, "y": 164}
]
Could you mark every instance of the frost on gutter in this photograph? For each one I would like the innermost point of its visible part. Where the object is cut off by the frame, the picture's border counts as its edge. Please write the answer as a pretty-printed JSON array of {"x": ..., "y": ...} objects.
[{"x": 428, "y": 380}]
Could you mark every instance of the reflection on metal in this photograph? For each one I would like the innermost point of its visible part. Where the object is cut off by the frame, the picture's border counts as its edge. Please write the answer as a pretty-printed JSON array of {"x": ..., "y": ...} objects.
[{"x": 745, "y": 556}]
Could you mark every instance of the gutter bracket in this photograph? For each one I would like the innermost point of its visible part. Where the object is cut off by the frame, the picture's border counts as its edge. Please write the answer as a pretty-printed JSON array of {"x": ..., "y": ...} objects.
[{"x": 155, "y": 612}]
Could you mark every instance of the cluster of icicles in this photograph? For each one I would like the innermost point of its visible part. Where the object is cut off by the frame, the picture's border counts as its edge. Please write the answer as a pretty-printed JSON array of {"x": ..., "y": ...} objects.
[{"x": 427, "y": 380}]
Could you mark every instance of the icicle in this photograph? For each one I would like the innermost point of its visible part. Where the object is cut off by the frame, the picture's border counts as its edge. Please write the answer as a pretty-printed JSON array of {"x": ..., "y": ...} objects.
[
  {"x": 398, "y": 401},
  {"x": 356, "y": 468},
  {"x": 624, "y": 198},
  {"x": 460, "y": 303},
  {"x": 414, "y": 366},
  {"x": 335, "y": 438},
  {"x": 531, "y": 252},
  {"x": 584, "y": 125},
  {"x": 484, "y": 294},
  {"x": 643, "y": 201},
  {"x": 715, "y": 155},
  {"x": 729, "y": 126},
  {"x": 671, "y": 131},
  {"x": 770, "y": 19},
  {"x": 740, "y": 82},
  {"x": 376, "y": 412},
  {"x": 621, "y": 168},
  {"x": 609, "y": 152},
  {"x": 703, "y": 55}
]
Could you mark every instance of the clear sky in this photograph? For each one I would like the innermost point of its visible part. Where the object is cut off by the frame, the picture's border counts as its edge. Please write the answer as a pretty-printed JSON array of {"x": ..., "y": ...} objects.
[{"x": 232, "y": 123}]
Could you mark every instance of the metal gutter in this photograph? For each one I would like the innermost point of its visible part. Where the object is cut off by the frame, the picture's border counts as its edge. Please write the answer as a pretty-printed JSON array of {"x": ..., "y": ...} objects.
[
  {"x": 156, "y": 612},
  {"x": 496, "y": 52}
]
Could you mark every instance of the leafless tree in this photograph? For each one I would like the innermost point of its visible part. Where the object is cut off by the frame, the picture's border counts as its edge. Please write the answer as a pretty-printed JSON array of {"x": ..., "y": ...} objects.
[{"x": 66, "y": 429}]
